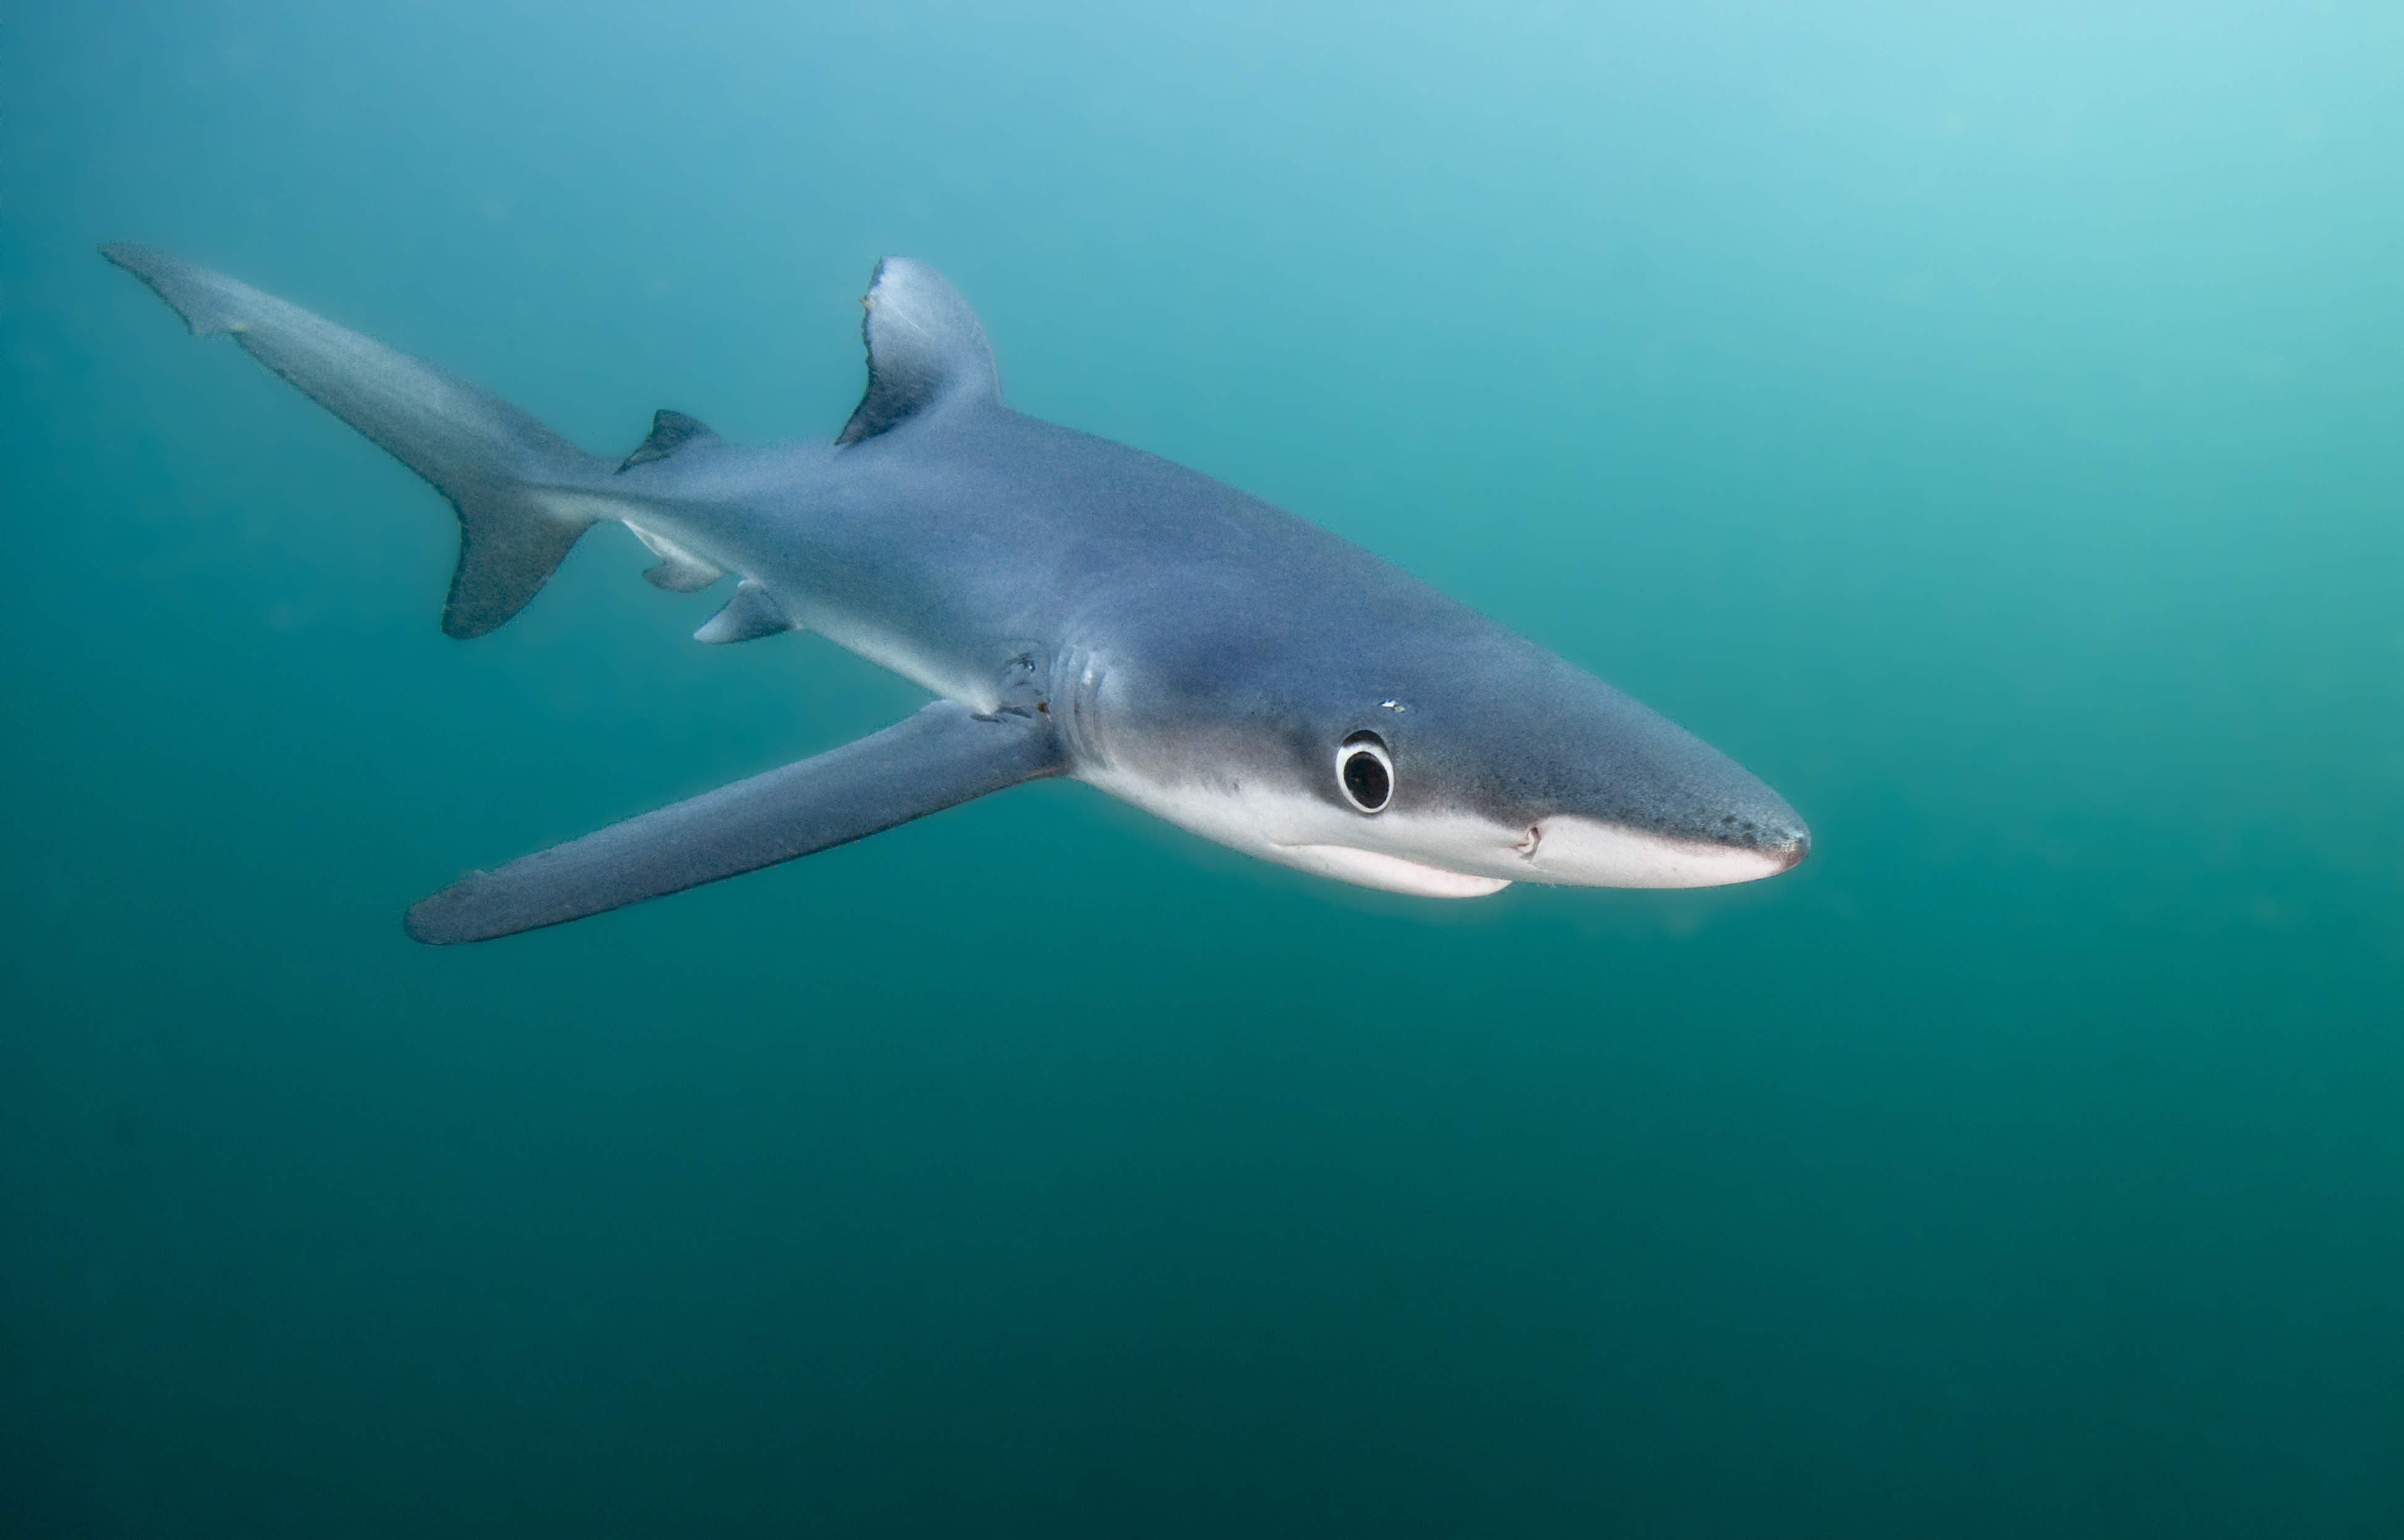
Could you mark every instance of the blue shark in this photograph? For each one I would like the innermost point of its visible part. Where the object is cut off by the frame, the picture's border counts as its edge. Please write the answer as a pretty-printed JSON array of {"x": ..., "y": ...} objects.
[{"x": 1078, "y": 608}]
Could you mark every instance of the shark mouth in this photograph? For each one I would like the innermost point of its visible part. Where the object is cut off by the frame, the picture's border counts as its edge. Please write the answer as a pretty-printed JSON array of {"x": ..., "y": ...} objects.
[
  {"x": 1451, "y": 856},
  {"x": 1375, "y": 869},
  {"x": 1565, "y": 850}
]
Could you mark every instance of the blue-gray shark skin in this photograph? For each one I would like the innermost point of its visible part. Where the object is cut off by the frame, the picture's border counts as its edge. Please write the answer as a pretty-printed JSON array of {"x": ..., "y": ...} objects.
[{"x": 1080, "y": 608}]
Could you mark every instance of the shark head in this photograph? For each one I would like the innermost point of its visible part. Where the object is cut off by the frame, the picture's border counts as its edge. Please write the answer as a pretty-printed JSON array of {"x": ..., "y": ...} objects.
[{"x": 1411, "y": 745}]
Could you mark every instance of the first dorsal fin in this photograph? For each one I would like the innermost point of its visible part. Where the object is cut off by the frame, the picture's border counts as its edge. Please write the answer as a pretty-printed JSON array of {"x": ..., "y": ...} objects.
[
  {"x": 925, "y": 349},
  {"x": 670, "y": 432}
]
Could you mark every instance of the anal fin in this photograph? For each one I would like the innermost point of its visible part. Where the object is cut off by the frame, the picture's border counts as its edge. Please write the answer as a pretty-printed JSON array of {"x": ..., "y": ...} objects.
[
  {"x": 681, "y": 571},
  {"x": 750, "y": 613}
]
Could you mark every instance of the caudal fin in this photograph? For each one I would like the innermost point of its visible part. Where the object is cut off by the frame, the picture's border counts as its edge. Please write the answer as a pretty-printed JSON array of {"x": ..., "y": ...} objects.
[{"x": 513, "y": 481}]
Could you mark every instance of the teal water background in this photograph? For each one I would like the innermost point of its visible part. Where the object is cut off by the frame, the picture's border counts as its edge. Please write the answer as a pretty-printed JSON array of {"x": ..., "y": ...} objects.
[{"x": 1985, "y": 422}]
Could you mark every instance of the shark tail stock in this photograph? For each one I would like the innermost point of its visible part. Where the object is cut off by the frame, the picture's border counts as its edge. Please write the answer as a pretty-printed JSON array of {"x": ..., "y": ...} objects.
[{"x": 518, "y": 486}]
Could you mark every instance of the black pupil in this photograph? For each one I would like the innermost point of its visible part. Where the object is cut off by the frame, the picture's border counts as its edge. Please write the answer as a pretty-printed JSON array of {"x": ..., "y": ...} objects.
[{"x": 1367, "y": 780}]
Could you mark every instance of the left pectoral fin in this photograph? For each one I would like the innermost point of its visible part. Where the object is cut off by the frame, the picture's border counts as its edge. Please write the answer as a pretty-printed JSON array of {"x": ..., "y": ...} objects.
[{"x": 940, "y": 757}]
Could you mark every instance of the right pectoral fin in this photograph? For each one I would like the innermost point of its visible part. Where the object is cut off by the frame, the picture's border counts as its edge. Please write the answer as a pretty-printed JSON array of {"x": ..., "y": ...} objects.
[{"x": 942, "y": 756}]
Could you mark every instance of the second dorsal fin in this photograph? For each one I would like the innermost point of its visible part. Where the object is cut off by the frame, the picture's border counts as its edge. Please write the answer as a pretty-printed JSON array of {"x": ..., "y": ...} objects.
[
  {"x": 925, "y": 349},
  {"x": 670, "y": 432}
]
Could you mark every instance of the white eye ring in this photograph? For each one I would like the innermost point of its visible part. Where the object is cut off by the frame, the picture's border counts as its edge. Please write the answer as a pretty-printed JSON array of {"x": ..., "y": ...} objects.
[{"x": 1364, "y": 772}]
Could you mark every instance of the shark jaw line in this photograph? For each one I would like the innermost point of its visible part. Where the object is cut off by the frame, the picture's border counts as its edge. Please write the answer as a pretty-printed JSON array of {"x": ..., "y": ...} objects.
[
  {"x": 1563, "y": 851},
  {"x": 1441, "y": 855},
  {"x": 1375, "y": 869}
]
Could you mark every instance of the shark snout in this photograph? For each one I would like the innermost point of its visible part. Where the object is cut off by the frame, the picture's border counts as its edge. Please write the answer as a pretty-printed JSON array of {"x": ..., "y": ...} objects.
[
  {"x": 1577, "y": 850},
  {"x": 1781, "y": 837},
  {"x": 1767, "y": 830}
]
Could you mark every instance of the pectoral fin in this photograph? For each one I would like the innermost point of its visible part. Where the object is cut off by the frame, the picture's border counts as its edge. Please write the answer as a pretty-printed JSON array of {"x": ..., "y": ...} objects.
[{"x": 942, "y": 756}]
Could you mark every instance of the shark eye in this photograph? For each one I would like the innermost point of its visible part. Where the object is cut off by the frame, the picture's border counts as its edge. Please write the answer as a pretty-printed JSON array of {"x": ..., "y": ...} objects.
[{"x": 1366, "y": 772}]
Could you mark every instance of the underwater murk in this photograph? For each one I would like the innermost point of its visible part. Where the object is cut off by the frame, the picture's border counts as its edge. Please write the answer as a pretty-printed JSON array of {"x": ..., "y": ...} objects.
[{"x": 1979, "y": 425}]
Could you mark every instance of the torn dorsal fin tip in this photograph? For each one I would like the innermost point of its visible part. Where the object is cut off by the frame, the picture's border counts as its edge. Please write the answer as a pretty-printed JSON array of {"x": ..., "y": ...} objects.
[
  {"x": 670, "y": 432},
  {"x": 925, "y": 348}
]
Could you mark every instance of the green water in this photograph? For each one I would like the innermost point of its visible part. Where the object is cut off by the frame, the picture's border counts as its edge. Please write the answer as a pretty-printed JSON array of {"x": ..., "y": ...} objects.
[{"x": 1985, "y": 422}]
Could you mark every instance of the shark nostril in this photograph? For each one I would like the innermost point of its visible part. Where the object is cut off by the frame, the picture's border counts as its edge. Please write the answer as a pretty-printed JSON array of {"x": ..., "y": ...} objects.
[{"x": 1781, "y": 839}]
